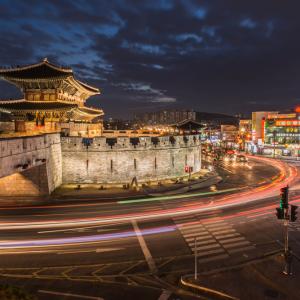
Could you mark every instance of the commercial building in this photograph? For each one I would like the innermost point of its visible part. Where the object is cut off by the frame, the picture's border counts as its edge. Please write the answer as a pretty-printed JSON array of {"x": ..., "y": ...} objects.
[
  {"x": 282, "y": 134},
  {"x": 274, "y": 133}
]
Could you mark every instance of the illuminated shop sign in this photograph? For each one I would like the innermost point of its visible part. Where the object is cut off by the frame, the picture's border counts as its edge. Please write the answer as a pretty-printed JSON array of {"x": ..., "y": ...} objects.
[
  {"x": 287, "y": 123},
  {"x": 281, "y": 116}
]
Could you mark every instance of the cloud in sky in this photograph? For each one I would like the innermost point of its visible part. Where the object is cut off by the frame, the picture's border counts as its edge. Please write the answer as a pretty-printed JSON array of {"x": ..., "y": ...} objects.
[{"x": 205, "y": 55}]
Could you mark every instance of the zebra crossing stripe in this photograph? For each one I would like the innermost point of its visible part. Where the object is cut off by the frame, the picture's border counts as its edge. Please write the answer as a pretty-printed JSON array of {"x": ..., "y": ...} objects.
[
  {"x": 191, "y": 226},
  {"x": 225, "y": 236},
  {"x": 195, "y": 233},
  {"x": 213, "y": 258},
  {"x": 198, "y": 231},
  {"x": 206, "y": 253},
  {"x": 232, "y": 240},
  {"x": 192, "y": 244},
  {"x": 216, "y": 225},
  {"x": 212, "y": 246},
  {"x": 231, "y": 251},
  {"x": 199, "y": 238},
  {"x": 219, "y": 228},
  {"x": 237, "y": 244},
  {"x": 222, "y": 231}
]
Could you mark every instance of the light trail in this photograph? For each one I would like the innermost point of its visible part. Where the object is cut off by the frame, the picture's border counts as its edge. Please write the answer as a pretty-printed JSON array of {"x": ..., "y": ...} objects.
[
  {"x": 82, "y": 239},
  {"x": 287, "y": 175},
  {"x": 236, "y": 199}
]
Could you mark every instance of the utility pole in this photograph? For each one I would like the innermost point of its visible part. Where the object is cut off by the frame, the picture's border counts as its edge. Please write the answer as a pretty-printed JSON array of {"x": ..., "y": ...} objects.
[
  {"x": 196, "y": 259},
  {"x": 288, "y": 214}
]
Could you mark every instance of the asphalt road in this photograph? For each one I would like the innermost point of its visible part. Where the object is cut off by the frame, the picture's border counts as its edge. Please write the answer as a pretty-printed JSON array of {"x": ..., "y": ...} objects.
[{"x": 138, "y": 249}]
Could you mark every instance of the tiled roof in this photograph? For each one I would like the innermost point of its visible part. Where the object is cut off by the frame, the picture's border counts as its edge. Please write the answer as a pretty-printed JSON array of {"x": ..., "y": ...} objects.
[
  {"x": 43, "y": 70},
  {"x": 35, "y": 106},
  {"x": 91, "y": 111}
]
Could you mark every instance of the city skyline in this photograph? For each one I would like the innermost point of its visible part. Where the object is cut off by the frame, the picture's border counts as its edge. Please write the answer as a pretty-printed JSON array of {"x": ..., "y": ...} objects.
[{"x": 210, "y": 56}]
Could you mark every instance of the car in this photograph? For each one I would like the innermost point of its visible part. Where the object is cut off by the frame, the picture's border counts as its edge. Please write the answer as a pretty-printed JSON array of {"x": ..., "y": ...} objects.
[
  {"x": 241, "y": 158},
  {"x": 229, "y": 158}
]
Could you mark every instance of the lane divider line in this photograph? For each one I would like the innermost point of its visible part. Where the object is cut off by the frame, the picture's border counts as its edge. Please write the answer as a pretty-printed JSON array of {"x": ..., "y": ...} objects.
[{"x": 146, "y": 252}]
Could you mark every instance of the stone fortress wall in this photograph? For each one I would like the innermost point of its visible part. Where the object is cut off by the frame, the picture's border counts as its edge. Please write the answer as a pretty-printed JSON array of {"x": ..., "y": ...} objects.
[
  {"x": 36, "y": 165},
  {"x": 30, "y": 166},
  {"x": 120, "y": 160}
]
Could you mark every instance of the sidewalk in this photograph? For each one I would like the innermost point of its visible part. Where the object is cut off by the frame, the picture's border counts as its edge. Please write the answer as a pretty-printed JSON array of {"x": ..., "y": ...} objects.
[
  {"x": 198, "y": 181},
  {"x": 258, "y": 280},
  {"x": 94, "y": 192}
]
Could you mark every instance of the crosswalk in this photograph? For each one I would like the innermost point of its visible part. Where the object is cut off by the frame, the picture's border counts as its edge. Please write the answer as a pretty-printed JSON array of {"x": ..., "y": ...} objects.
[
  {"x": 217, "y": 240},
  {"x": 294, "y": 226}
]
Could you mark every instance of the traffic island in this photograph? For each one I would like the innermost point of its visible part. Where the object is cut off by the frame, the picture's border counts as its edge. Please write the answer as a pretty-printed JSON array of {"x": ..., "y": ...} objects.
[{"x": 262, "y": 279}]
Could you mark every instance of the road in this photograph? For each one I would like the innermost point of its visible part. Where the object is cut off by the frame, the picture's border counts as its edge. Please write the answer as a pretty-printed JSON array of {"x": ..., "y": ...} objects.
[{"x": 139, "y": 248}]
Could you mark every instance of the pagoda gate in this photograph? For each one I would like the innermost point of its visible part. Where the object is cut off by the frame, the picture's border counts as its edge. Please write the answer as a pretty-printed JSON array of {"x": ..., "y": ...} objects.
[{"x": 53, "y": 100}]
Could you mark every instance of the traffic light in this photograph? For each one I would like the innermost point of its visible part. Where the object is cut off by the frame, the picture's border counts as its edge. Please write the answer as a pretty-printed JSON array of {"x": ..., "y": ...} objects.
[
  {"x": 284, "y": 197},
  {"x": 280, "y": 213},
  {"x": 294, "y": 213}
]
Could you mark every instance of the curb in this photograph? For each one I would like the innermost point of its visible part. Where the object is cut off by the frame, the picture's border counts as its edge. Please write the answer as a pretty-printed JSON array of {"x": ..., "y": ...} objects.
[
  {"x": 209, "y": 292},
  {"x": 215, "y": 293}
]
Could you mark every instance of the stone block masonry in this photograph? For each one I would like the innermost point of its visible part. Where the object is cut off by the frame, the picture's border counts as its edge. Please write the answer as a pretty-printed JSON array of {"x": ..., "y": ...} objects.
[
  {"x": 36, "y": 165},
  {"x": 30, "y": 166},
  {"x": 120, "y": 160}
]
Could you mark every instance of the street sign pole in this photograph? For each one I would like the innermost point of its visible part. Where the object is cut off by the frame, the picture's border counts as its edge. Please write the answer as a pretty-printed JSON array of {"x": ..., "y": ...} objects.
[
  {"x": 196, "y": 259},
  {"x": 287, "y": 213},
  {"x": 287, "y": 253}
]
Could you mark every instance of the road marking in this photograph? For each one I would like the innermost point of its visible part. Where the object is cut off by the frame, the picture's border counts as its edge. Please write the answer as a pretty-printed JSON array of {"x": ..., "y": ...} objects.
[
  {"x": 208, "y": 237},
  {"x": 232, "y": 240},
  {"x": 94, "y": 250},
  {"x": 183, "y": 226},
  {"x": 191, "y": 244},
  {"x": 165, "y": 295},
  {"x": 222, "y": 231},
  {"x": 213, "y": 258},
  {"x": 209, "y": 252},
  {"x": 207, "y": 222},
  {"x": 199, "y": 238},
  {"x": 216, "y": 225},
  {"x": 146, "y": 252},
  {"x": 69, "y": 295},
  {"x": 194, "y": 234},
  {"x": 237, "y": 244},
  {"x": 200, "y": 232},
  {"x": 224, "y": 236},
  {"x": 230, "y": 251},
  {"x": 208, "y": 247}
]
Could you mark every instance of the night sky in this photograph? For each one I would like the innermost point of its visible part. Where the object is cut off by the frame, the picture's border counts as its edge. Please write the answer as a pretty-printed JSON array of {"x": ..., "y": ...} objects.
[{"x": 215, "y": 56}]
